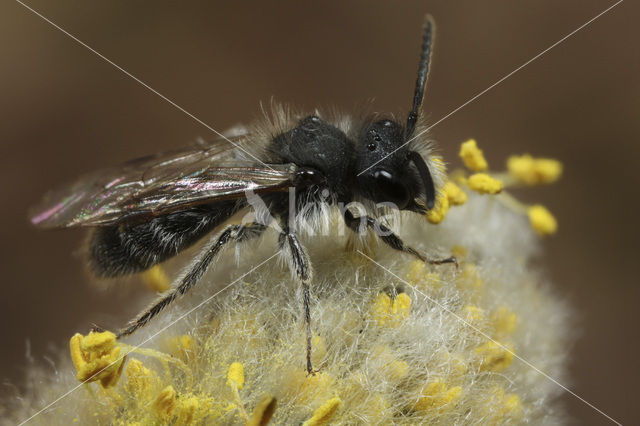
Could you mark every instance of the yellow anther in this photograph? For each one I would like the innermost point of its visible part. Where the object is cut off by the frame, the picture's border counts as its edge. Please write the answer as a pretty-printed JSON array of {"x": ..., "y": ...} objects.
[
  {"x": 235, "y": 380},
  {"x": 542, "y": 221},
  {"x": 306, "y": 388},
  {"x": 165, "y": 403},
  {"x": 324, "y": 413},
  {"x": 99, "y": 342},
  {"x": 439, "y": 210},
  {"x": 402, "y": 305},
  {"x": 235, "y": 377},
  {"x": 455, "y": 195},
  {"x": 388, "y": 313},
  {"x": 484, "y": 184},
  {"x": 534, "y": 171},
  {"x": 97, "y": 357},
  {"x": 494, "y": 356},
  {"x": 381, "y": 309},
  {"x": 436, "y": 396},
  {"x": 194, "y": 409},
  {"x": 451, "y": 194},
  {"x": 140, "y": 380},
  {"x": 472, "y": 156}
]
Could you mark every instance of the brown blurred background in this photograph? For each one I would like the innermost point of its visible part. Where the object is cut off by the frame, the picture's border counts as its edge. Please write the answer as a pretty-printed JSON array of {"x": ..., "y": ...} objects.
[{"x": 64, "y": 111}]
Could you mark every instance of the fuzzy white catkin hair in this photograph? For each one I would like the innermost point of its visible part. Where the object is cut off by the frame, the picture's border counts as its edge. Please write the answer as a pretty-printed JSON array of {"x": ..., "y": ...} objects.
[{"x": 418, "y": 344}]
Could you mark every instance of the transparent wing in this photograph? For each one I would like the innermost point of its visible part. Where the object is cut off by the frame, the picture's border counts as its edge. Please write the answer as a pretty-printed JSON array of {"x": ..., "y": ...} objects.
[{"x": 159, "y": 184}]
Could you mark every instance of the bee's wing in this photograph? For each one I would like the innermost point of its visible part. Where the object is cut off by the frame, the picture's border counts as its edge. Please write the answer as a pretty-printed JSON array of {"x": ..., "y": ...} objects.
[{"x": 159, "y": 184}]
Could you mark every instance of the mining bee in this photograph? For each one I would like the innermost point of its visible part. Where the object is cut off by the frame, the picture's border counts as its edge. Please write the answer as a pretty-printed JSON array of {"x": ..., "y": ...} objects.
[{"x": 150, "y": 209}]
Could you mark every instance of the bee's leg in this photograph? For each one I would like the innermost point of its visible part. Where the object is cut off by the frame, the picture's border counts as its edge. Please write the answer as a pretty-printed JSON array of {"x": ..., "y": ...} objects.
[
  {"x": 391, "y": 239},
  {"x": 234, "y": 233},
  {"x": 301, "y": 265}
]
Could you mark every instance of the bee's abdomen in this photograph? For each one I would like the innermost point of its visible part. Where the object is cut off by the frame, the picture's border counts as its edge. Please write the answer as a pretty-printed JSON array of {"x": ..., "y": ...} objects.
[{"x": 129, "y": 248}]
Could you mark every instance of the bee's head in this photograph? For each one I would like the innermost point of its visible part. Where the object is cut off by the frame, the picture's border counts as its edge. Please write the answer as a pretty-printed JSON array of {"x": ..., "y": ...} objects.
[{"x": 388, "y": 171}]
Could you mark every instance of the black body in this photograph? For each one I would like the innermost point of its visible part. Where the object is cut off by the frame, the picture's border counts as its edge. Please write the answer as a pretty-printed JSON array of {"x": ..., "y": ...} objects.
[
  {"x": 128, "y": 248},
  {"x": 314, "y": 145}
]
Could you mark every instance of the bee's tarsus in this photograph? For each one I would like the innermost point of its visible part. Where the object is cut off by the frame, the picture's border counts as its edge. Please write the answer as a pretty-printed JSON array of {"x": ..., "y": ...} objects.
[{"x": 451, "y": 259}]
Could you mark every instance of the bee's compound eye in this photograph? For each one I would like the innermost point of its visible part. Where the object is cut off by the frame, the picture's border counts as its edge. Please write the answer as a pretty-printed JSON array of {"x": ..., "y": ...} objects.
[
  {"x": 314, "y": 118},
  {"x": 372, "y": 146}
]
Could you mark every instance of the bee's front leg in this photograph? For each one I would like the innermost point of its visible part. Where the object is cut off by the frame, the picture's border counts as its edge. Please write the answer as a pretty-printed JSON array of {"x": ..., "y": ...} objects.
[{"x": 390, "y": 238}]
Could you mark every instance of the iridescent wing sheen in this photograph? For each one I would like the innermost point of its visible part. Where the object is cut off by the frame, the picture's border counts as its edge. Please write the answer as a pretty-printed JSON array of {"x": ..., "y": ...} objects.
[{"x": 160, "y": 184}]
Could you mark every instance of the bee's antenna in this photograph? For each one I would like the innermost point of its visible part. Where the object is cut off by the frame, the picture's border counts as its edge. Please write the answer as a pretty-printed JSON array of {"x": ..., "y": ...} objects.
[{"x": 423, "y": 72}]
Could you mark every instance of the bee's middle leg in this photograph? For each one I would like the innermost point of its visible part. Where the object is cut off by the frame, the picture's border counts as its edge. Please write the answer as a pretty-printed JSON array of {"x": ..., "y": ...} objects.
[{"x": 302, "y": 268}]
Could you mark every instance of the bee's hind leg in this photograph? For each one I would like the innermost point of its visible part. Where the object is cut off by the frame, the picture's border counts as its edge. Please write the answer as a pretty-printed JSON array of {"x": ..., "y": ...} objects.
[
  {"x": 302, "y": 268},
  {"x": 233, "y": 233},
  {"x": 391, "y": 239}
]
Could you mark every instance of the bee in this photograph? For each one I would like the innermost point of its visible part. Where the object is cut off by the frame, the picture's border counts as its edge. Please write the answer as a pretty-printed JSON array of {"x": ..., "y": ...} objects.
[{"x": 150, "y": 209}]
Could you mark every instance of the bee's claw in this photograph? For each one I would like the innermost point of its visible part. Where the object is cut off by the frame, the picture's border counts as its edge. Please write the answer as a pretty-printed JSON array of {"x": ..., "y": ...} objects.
[
  {"x": 312, "y": 372},
  {"x": 95, "y": 328}
]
